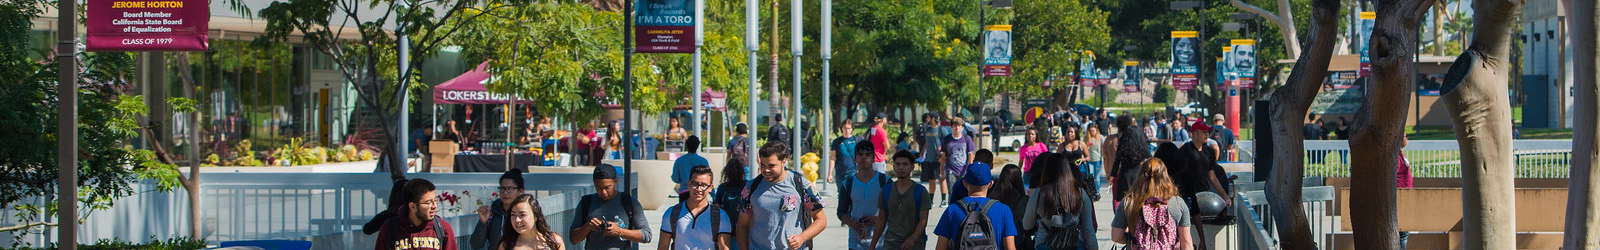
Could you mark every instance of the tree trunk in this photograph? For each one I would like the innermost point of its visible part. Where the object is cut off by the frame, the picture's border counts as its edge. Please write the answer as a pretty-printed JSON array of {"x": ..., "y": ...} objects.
[
  {"x": 1583, "y": 217},
  {"x": 191, "y": 183},
  {"x": 1289, "y": 107},
  {"x": 1438, "y": 29},
  {"x": 1476, "y": 93},
  {"x": 1378, "y": 134}
]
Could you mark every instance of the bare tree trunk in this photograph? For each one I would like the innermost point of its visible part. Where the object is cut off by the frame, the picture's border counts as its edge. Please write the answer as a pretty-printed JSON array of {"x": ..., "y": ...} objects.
[
  {"x": 1476, "y": 93},
  {"x": 1378, "y": 134},
  {"x": 191, "y": 183},
  {"x": 1289, "y": 107},
  {"x": 1284, "y": 19},
  {"x": 1583, "y": 217}
]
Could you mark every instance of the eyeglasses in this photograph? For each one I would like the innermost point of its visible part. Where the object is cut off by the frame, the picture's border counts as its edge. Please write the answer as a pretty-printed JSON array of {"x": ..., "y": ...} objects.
[
  {"x": 429, "y": 203},
  {"x": 700, "y": 186},
  {"x": 508, "y": 188}
]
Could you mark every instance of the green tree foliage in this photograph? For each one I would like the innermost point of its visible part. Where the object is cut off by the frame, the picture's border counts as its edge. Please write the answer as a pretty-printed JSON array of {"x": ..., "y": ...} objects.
[
  {"x": 1050, "y": 39},
  {"x": 364, "y": 51}
]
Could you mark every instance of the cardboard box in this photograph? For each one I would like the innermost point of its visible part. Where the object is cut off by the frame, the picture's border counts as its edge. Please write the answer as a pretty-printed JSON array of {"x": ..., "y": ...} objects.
[{"x": 442, "y": 153}]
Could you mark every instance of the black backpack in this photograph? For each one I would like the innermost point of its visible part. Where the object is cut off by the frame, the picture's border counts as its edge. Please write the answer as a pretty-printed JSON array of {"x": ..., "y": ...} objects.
[
  {"x": 977, "y": 233},
  {"x": 1067, "y": 235}
]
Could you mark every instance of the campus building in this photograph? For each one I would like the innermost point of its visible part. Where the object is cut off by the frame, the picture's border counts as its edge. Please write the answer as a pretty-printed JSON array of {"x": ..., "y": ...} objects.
[{"x": 266, "y": 95}]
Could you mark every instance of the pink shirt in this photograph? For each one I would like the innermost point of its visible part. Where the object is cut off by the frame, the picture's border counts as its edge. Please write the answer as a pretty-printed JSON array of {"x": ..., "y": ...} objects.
[
  {"x": 880, "y": 143},
  {"x": 1029, "y": 152}
]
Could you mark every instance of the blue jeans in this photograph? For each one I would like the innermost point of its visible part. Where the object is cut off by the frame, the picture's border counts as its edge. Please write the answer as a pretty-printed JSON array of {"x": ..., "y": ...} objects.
[{"x": 1095, "y": 169}]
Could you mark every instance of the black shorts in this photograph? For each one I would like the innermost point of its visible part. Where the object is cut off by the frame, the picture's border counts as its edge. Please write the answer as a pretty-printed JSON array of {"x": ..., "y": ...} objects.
[{"x": 932, "y": 171}]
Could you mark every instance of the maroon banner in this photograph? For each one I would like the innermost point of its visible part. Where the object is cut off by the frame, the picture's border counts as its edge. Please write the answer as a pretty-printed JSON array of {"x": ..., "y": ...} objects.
[
  {"x": 1086, "y": 82},
  {"x": 997, "y": 70},
  {"x": 1247, "y": 82},
  {"x": 147, "y": 25},
  {"x": 1130, "y": 88},
  {"x": 1185, "y": 81},
  {"x": 664, "y": 39}
]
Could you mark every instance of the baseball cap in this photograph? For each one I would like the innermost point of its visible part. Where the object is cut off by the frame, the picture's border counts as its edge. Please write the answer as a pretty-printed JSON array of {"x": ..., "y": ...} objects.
[
  {"x": 978, "y": 174},
  {"x": 1216, "y": 117},
  {"x": 879, "y": 116},
  {"x": 1200, "y": 126}
]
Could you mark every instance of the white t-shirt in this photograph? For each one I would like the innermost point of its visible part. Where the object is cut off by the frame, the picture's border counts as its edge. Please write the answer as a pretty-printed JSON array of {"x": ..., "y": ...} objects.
[{"x": 696, "y": 229}]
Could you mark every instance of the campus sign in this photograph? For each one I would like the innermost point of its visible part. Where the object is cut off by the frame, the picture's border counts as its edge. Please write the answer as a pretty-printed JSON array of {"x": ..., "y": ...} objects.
[
  {"x": 147, "y": 25},
  {"x": 997, "y": 51},
  {"x": 1185, "y": 59},
  {"x": 1242, "y": 62},
  {"x": 665, "y": 26},
  {"x": 1130, "y": 76}
]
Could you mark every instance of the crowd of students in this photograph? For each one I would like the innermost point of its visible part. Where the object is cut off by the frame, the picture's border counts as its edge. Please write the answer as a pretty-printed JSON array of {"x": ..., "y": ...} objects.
[{"x": 1046, "y": 203}]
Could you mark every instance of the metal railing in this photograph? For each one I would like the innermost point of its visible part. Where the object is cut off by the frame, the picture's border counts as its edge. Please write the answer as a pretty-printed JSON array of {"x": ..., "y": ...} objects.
[
  {"x": 1257, "y": 230},
  {"x": 1437, "y": 158},
  {"x": 326, "y": 208}
]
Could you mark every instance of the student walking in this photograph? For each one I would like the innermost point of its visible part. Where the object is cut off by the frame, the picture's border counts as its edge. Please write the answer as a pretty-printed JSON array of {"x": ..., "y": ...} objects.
[
  {"x": 858, "y": 206},
  {"x": 492, "y": 218},
  {"x": 1009, "y": 190},
  {"x": 526, "y": 229},
  {"x": 607, "y": 219},
  {"x": 1061, "y": 211},
  {"x": 955, "y": 153},
  {"x": 931, "y": 160},
  {"x": 843, "y": 150},
  {"x": 418, "y": 226},
  {"x": 977, "y": 222},
  {"x": 1152, "y": 216},
  {"x": 902, "y": 209},
  {"x": 783, "y": 212},
  {"x": 728, "y": 196},
  {"x": 696, "y": 224},
  {"x": 880, "y": 141},
  {"x": 680, "y": 167},
  {"x": 1131, "y": 148}
]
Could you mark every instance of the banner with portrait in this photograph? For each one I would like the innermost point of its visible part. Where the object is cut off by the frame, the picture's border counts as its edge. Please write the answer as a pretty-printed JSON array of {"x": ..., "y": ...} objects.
[
  {"x": 1086, "y": 74},
  {"x": 1223, "y": 76},
  {"x": 997, "y": 50},
  {"x": 1242, "y": 62},
  {"x": 1130, "y": 76},
  {"x": 1367, "y": 19},
  {"x": 1185, "y": 59},
  {"x": 664, "y": 26}
]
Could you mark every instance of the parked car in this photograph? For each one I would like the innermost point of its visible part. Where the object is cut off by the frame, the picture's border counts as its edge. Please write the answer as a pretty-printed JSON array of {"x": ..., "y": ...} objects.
[{"x": 1192, "y": 108}]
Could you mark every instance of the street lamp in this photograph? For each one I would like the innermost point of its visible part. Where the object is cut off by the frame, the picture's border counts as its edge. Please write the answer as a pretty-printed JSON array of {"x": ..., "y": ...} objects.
[{"x": 1001, "y": 4}]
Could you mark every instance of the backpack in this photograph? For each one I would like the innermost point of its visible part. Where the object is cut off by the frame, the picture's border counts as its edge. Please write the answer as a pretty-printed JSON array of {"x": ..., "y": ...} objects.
[
  {"x": 1066, "y": 235},
  {"x": 739, "y": 150},
  {"x": 627, "y": 207},
  {"x": 916, "y": 191},
  {"x": 1156, "y": 230},
  {"x": 977, "y": 233},
  {"x": 805, "y": 217},
  {"x": 716, "y": 218}
]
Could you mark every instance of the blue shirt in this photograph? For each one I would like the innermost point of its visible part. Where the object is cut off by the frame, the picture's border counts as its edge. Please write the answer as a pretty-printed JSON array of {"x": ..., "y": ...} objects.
[
  {"x": 680, "y": 169},
  {"x": 694, "y": 231},
  {"x": 845, "y": 164},
  {"x": 999, "y": 216}
]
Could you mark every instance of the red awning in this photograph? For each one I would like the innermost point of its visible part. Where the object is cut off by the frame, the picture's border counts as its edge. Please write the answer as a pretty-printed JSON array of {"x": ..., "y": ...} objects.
[{"x": 468, "y": 88}]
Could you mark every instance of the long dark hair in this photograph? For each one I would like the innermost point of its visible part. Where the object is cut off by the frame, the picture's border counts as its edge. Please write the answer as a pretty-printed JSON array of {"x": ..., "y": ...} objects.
[
  {"x": 1132, "y": 146},
  {"x": 1037, "y": 176},
  {"x": 1062, "y": 193},
  {"x": 1008, "y": 187},
  {"x": 508, "y": 239},
  {"x": 734, "y": 172}
]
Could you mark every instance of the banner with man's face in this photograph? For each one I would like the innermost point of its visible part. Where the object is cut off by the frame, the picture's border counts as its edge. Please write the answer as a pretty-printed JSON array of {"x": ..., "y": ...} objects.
[
  {"x": 1086, "y": 74},
  {"x": 1185, "y": 59},
  {"x": 1130, "y": 76},
  {"x": 997, "y": 50},
  {"x": 1242, "y": 62}
]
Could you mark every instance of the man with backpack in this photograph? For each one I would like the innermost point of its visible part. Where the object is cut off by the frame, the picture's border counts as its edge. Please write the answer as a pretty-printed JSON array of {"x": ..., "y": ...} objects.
[
  {"x": 902, "y": 209},
  {"x": 696, "y": 224},
  {"x": 977, "y": 222},
  {"x": 782, "y": 212},
  {"x": 778, "y": 131},
  {"x": 858, "y": 206},
  {"x": 843, "y": 150},
  {"x": 739, "y": 148},
  {"x": 417, "y": 226},
  {"x": 609, "y": 220}
]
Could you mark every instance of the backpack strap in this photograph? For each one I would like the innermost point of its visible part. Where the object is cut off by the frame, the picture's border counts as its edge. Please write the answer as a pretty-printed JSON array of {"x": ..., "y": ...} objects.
[
  {"x": 918, "y": 191},
  {"x": 673, "y": 216},
  {"x": 986, "y": 205},
  {"x": 439, "y": 229},
  {"x": 716, "y": 220},
  {"x": 628, "y": 207}
]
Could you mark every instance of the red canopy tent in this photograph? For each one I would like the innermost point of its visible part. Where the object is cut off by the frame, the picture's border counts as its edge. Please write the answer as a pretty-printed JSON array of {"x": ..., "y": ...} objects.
[{"x": 468, "y": 88}]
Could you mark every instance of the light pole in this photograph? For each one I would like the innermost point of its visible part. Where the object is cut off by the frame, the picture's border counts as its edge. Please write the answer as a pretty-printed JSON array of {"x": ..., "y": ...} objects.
[
  {"x": 1003, "y": 4},
  {"x": 1200, "y": 29},
  {"x": 752, "y": 45},
  {"x": 826, "y": 54},
  {"x": 796, "y": 49}
]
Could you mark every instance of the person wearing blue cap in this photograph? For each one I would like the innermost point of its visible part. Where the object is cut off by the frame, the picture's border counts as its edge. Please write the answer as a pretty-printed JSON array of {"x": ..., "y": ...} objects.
[{"x": 980, "y": 221}]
